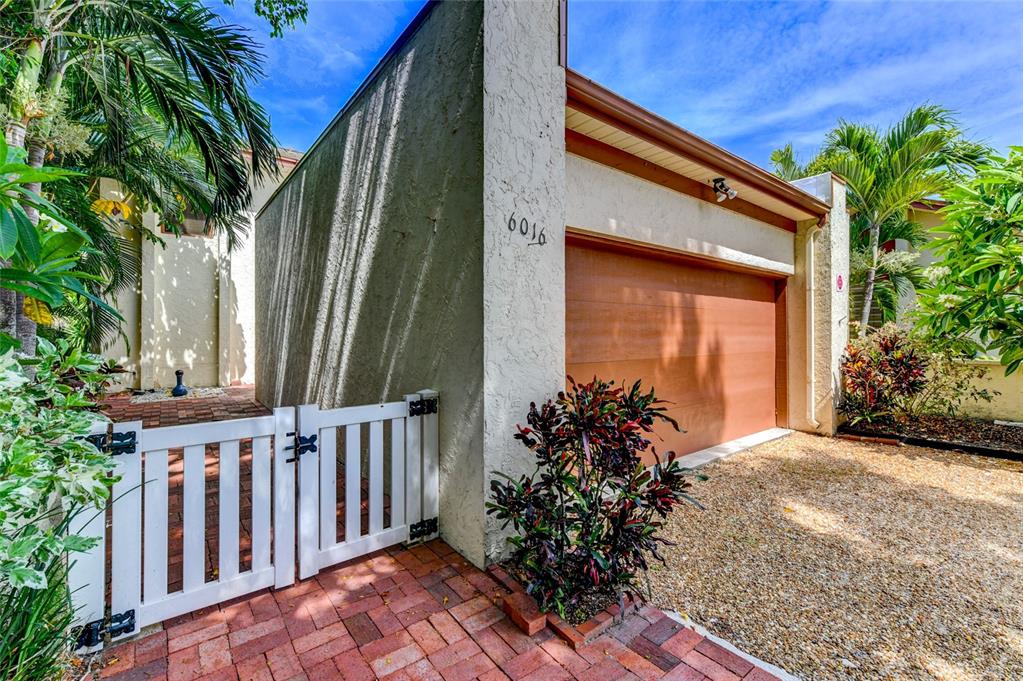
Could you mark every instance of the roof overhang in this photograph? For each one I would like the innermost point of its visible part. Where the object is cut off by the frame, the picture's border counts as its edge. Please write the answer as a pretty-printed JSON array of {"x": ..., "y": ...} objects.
[{"x": 607, "y": 128}]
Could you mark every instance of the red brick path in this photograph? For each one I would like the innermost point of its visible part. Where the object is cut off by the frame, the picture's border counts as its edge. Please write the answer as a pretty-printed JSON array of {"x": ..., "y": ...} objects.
[
  {"x": 236, "y": 402},
  {"x": 402, "y": 615}
]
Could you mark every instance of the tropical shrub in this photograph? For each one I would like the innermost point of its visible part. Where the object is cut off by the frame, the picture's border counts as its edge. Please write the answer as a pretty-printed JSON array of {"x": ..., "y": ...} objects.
[
  {"x": 895, "y": 373},
  {"x": 48, "y": 473},
  {"x": 975, "y": 297},
  {"x": 880, "y": 372},
  {"x": 586, "y": 519}
]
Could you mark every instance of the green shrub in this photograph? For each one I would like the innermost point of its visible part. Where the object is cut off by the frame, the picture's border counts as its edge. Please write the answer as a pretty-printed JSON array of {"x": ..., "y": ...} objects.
[
  {"x": 48, "y": 472},
  {"x": 587, "y": 518},
  {"x": 893, "y": 373}
]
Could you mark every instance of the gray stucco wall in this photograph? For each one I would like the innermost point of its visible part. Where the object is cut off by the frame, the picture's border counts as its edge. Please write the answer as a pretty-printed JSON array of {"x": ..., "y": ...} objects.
[{"x": 369, "y": 260}]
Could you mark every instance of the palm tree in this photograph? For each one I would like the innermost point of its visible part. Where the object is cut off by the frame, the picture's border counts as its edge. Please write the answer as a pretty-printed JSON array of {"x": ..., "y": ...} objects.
[
  {"x": 886, "y": 172},
  {"x": 151, "y": 93}
]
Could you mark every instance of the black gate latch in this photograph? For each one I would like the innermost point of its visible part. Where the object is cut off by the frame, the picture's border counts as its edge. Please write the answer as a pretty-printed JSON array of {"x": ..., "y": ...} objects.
[{"x": 302, "y": 445}]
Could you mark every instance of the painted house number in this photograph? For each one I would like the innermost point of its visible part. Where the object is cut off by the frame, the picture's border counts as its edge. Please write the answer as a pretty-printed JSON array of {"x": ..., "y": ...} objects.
[{"x": 524, "y": 229}]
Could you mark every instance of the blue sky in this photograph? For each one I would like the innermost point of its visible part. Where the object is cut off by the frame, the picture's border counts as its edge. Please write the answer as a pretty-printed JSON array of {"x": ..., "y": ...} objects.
[{"x": 749, "y": 76}]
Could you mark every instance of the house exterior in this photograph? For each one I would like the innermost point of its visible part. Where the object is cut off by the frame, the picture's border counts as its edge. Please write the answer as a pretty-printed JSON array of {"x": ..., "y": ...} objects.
[
  {"x": 193, "y": 307},
  {"x": 484, "y": 221}
]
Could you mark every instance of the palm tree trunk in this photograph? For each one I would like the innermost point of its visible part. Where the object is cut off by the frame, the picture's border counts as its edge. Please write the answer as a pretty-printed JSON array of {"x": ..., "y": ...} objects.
[{"x": 868, "y": 289}]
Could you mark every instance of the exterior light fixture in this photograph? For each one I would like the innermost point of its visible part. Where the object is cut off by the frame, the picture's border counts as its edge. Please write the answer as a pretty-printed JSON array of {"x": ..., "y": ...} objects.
[{"x": 723, "y": 190}]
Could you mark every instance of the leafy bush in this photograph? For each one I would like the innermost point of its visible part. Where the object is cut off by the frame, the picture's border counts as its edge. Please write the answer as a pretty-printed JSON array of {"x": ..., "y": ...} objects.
[
  {"x": 587, "y": 518},
  {"x": 881, "y": 371},
  {"x": 975, "y": 297},
  {"x": 48, "y": 472},
  {"x": 893, "y": 373}
]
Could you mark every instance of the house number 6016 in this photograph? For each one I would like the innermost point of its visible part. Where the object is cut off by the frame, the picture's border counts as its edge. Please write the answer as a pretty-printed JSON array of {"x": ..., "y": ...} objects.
[{"x": 523, "y": 228}]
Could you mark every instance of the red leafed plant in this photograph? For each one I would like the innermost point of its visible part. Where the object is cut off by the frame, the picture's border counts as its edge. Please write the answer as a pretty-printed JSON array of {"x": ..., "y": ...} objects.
[
  {"x": 587, "y": 517},
  {"x": 881, "y": 372}
]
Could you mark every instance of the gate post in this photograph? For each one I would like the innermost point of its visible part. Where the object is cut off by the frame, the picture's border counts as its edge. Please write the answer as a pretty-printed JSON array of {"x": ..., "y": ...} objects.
[
  {"x": 126, "y": 532},
  {"x": 308, "y": 467},
  {"x": 431, "y": 483},
  {"x": 284, "y": 498}
]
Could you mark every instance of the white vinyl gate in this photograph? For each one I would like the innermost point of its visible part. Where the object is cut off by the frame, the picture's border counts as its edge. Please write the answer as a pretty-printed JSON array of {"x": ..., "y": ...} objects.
[{"x": 132, "y": 579}]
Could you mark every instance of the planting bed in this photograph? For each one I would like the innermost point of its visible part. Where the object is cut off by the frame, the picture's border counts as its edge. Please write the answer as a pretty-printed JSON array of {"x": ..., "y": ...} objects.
[{"x": 972, "y": 433}]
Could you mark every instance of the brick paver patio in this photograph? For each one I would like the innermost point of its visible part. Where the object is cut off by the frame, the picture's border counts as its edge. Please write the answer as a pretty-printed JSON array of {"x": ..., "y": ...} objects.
[{"x": 423, "y": 613}]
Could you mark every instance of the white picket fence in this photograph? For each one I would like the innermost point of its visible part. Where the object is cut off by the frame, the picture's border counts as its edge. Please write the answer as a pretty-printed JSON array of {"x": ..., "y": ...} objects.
[{"x": 135, "y": 561}]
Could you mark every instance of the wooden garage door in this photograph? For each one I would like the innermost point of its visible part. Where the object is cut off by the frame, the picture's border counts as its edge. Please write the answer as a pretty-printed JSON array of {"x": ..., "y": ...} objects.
[{"x": 704, "y": 337}]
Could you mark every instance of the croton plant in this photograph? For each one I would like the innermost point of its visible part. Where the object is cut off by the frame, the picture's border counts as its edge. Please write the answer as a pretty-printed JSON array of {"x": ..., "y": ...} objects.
[{"x": 587, "y": 518}]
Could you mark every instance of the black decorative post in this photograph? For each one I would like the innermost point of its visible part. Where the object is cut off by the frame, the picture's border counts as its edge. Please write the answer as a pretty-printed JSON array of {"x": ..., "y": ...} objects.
[{"x": 179, "y": 390}]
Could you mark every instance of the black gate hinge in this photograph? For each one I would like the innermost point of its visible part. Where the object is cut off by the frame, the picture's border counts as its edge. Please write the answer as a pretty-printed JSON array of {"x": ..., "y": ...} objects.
[
  {"x": 424, "y": 528},
  {"x": 427, "y": 405},
  {"x": 302, "y": 445},
  {"x": 115, "y": 443},
  {"x": 91, "y": 634}
]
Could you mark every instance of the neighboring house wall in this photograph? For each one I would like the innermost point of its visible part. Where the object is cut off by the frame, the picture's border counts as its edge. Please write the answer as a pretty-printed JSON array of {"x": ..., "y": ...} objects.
[
  {"x": 193, "y": 307},
  {"x": 371, "y": 255}
]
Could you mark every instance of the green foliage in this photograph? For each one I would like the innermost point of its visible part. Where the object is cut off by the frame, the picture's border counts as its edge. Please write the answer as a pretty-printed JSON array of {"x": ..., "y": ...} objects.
[
  {"x": 975, "y": 296},
  {"x": 587, "y": 518},
  {"x": 280, "y": 13},
  {"x": 893, "y": 373},
  {"x": 48, "y": 474},
  {"x": 885, "y": 173}
]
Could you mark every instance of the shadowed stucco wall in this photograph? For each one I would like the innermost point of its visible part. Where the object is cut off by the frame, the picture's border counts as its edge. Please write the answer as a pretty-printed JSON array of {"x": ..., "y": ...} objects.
[{"x": 369, "y": 265}]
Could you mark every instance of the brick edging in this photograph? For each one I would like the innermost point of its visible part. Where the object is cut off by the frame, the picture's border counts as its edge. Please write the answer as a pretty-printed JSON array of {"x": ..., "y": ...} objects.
[{"x": 523, "y": 610}]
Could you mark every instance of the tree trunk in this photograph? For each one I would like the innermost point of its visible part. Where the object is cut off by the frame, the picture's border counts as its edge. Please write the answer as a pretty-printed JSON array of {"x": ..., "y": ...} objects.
[{"x": 868, "y": 289}]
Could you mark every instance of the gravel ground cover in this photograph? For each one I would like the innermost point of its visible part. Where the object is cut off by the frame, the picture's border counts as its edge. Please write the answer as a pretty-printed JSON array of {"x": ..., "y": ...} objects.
[{"x": 844, "y": 560}]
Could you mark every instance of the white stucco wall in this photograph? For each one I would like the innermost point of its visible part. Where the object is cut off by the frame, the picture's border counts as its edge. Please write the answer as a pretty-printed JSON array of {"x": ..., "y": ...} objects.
[
  {"x": 603, "y": 200},
  {"x": 524, "y": 177}
]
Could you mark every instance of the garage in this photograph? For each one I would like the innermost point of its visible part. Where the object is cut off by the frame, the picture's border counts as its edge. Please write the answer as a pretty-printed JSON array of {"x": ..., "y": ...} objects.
[{"x": 706, "y": 337}]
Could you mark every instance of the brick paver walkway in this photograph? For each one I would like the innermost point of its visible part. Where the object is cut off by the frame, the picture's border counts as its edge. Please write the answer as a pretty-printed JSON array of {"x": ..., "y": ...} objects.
[
  {"x": 403, "y": 615},
  {"x": 237, "y": 402}
]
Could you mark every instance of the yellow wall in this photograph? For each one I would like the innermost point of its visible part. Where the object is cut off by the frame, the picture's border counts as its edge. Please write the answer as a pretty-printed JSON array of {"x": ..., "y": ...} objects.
[{"x": 1005, "y": 407}]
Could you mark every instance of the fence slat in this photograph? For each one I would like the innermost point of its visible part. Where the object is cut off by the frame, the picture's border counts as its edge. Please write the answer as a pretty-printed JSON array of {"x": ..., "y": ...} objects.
[
  {"x": 283, "y": 500},
  {"x": 328, "y": 486},
  {"x": 397, "y": 501},
  {"x": 126, "y": 530},
  {"x": 308, "y": 494},
  {"x": 260, "y": 503},
  {"x": 194, "y": 513},
  {"x": 430, "y": 457},
  {"x": 353, "y": 482},
  {"x": 230, "y": 493},
  {"x": 376, "y": 477},
  {"x": 155, "y": 539},
  {"x": 86, "y": 574},
  {"x": 413, "y": 465}
]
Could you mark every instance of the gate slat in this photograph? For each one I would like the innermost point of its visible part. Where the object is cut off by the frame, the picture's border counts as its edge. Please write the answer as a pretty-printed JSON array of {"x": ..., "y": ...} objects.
[
  {"x": 413, "y": 469},
  {"x": 194, "y": 512},
  {"x": 430, "y": 473},
  {"x": 260, "y": 503},
  {"x": 283, "y": 500},
  {"x": 397, "y": 472},
  {"x": 353, "y": 482},
  {"x": 230, "y": 492},
  {"x": 308, "y": 494},
  {"x": 155, "y": 539},
  {"x": 126, "y": 530},
  {"x": 328, "y": 487},
  {"x": 376, "y": 477}
]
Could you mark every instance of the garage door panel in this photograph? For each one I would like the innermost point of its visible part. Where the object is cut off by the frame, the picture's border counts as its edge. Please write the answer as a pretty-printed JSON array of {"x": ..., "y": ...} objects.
[
  {"x": 606, "y": 331},
  {"x": 639, "y": 280},
  {"x": 704, "y": 339}
]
